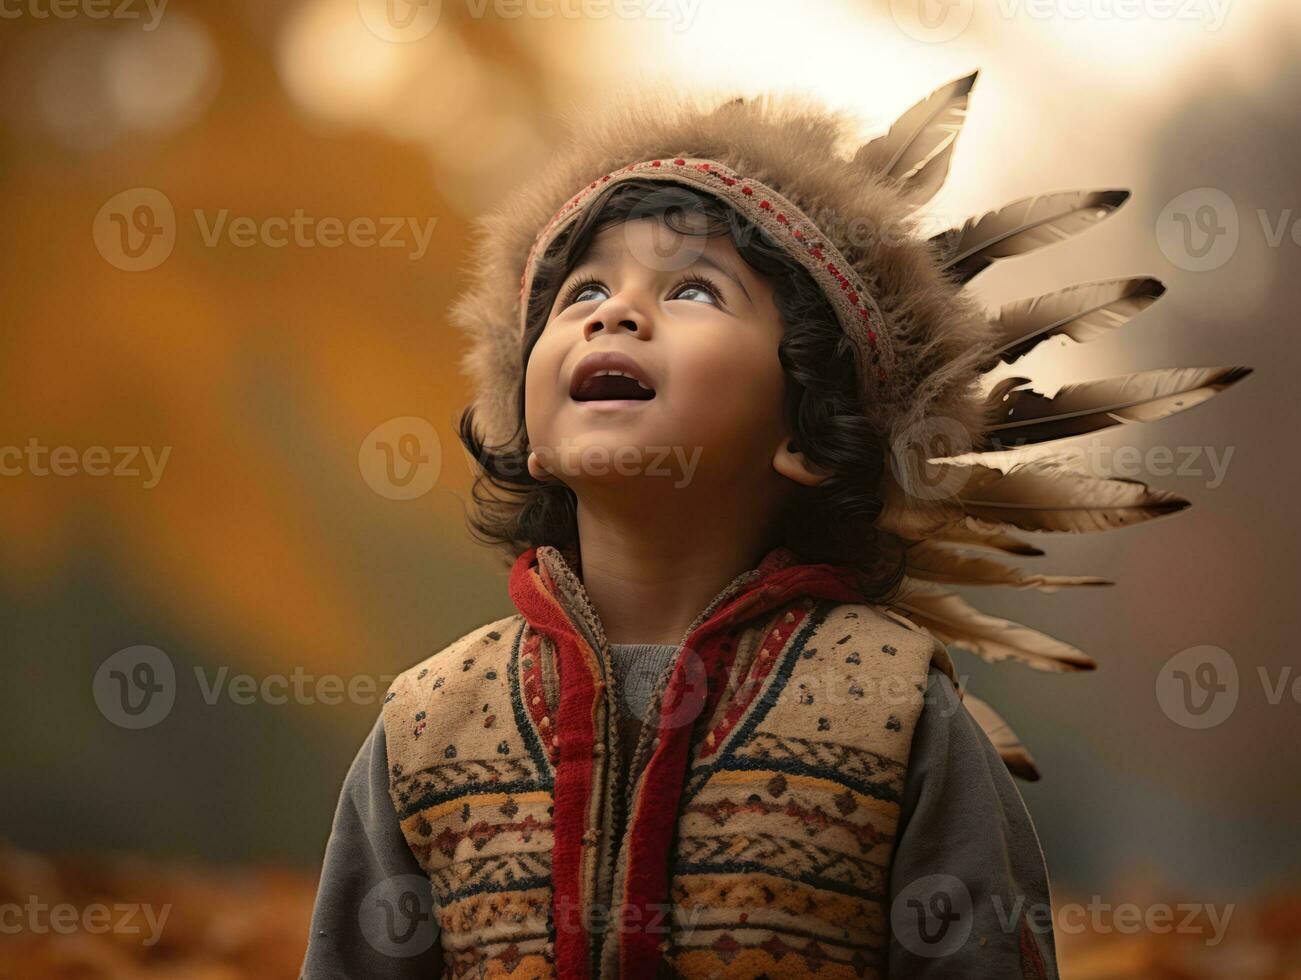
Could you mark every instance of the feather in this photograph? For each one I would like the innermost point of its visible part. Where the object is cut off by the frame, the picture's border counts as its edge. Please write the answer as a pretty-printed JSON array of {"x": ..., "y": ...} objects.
[
  {"x": 917, "y": 149},
  {"x": 955, "y": 622},
  {"x": 1044, "y": 494},
  {"x": 1082, "y": 312},
  {"x": 1014, "y": 755},
  {"x": 1021, "y": 226},
  {"x": 974, "y": 533},
  {"x": 934, "y": 562},
  {"x": 1025, "y": 417}
]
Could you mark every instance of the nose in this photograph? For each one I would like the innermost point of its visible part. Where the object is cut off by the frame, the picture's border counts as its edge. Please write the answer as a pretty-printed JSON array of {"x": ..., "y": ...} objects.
[{"x": 618, "y": 312}]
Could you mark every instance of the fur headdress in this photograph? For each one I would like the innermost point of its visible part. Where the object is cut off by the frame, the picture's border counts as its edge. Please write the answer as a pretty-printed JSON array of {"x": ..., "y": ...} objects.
[{"x": 922, "y": 344}]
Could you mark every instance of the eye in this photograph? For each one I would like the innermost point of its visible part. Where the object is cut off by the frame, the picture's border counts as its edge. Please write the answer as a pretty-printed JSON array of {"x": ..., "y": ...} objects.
[
  {"x": 579, "y": 289},
  {"x": 697, "y": 284}
]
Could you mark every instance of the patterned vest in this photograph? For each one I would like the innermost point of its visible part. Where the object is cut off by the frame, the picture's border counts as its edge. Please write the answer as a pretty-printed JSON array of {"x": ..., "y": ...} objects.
[{"x": 756, "y": 836}]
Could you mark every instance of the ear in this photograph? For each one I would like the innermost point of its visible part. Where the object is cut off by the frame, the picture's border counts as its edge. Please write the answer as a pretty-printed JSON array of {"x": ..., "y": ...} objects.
[
  {"x": 792, "y": 464},
  {"x": 536, "y": 469}
]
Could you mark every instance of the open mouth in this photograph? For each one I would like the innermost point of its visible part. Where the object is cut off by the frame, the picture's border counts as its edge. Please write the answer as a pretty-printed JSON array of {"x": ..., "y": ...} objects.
[{"x": 611, "y": 385}]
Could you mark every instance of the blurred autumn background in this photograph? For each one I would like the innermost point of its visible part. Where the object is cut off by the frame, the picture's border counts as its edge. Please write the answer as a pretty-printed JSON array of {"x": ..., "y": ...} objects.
[{"x": 253, "y": 366}]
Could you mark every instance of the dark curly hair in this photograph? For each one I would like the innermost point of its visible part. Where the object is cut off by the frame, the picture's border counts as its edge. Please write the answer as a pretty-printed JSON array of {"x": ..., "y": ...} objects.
[{"x": 832, "y": 522}]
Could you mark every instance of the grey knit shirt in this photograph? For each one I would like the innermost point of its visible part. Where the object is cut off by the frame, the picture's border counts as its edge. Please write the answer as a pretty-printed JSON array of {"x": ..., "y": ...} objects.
[{"x": 963, "y": 831}]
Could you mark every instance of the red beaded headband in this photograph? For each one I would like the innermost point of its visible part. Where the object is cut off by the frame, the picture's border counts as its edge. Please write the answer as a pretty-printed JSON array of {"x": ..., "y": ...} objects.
[{"x": 858, "y": 314}]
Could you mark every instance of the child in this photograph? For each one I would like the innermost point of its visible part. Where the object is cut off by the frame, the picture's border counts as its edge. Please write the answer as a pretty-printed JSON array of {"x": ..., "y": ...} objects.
[{"x": 706, "y": 744}]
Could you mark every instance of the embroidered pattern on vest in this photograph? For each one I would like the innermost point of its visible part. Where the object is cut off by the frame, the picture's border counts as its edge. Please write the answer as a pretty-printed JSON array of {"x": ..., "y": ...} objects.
[
  {"x": 784, "y": 828},
  {"x": 475, "y": 804},
  {"x": 786, "y": 833}
]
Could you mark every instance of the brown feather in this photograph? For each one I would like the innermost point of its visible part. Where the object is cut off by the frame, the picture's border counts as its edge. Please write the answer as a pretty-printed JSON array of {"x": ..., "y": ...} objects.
[
  {"x": 955, "y": 622},
  {"x": 1046, "y": 494},
  {"x": 1025, "y": 417},
  {"x": 919, "y": 145},
  {"x": 1014, "y": 755},
  {"x": 974, "y": 533},
  {"x": 1082, "y": 313},
  {"x": 935, "y": 562},
  {"x": 1022, "y": 226}
]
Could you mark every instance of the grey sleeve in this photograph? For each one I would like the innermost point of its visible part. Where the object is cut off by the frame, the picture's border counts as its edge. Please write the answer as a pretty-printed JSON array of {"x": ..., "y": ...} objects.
[
  {"x": 373, "y": 916},
  {"x": 969, "y": 894}
]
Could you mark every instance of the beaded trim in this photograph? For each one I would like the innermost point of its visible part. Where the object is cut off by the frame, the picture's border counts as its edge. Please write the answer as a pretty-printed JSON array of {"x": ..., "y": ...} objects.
[{"x": 857, "y": 312}]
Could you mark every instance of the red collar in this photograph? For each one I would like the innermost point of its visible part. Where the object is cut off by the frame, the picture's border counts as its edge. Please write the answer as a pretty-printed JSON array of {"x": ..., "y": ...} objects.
[{"x": 779, "y": 577}]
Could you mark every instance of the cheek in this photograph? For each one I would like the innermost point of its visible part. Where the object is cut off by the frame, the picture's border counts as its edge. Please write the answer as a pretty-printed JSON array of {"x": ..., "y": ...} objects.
[
  {"x": 540, "y": 392},
  {"x": 729, "y": 388}
]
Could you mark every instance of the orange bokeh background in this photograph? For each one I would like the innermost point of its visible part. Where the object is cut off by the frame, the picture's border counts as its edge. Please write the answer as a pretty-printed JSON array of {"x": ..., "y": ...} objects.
[{"x": 263, "y": 549}]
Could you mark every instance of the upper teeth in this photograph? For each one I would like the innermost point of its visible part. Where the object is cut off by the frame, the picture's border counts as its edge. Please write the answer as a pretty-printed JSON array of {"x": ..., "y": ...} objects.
[{"x": 622, "y": 374}]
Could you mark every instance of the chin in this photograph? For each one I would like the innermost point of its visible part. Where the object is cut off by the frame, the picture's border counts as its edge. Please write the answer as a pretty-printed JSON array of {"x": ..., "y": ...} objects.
[{"x": 613, "y": 448}]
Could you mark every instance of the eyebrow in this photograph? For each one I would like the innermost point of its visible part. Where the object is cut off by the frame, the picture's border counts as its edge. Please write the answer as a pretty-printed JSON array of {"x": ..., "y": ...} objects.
[{"x": 600, "y": 249}]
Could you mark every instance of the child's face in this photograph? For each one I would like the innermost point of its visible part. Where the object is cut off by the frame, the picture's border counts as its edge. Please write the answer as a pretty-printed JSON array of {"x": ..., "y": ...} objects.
[{"x": 707, "y": 352}]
